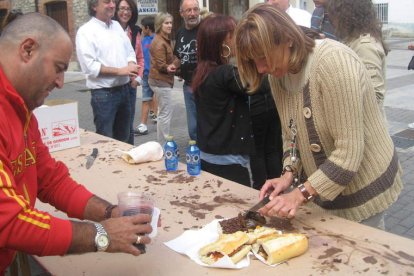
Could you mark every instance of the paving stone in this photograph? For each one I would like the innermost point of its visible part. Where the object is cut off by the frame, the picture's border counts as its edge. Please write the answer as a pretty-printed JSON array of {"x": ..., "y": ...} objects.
[
  {"x": 402, "y": 214},
  {"x": 391, "y": 221},
  {"x": 398, "y": 229},
  {"x": 410, "y": 231},
  {"x": 407, "y": 222}
]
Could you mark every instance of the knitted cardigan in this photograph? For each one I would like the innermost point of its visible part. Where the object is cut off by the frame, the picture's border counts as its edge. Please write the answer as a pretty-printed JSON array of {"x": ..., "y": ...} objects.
[{"x": 344, "y": 146}]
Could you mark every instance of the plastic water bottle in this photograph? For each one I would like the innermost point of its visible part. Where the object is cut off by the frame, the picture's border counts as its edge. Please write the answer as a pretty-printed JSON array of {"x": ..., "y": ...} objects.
[
  {"x": 171, "y": 154},
  {"x": 192, "y": 158}
]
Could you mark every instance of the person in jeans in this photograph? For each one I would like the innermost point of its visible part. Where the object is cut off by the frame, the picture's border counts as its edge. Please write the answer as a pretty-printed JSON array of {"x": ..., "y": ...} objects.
[
  {"x": 149, "y": 101},
  {"x": 106, "y": 56},
  {"x": 320, "y": 21},
  {"x": 161, "y": 75},
  {"x": 186, "y": 50},
  {"x": 127, "y": 15}
]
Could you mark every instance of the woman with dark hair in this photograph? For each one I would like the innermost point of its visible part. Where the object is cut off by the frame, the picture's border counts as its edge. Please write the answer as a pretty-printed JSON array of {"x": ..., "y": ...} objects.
[
  {"x": 223, "y": 119},
  {"x": 338, "y": 152},
  {"x": 127, "y": 14},
  {"x": 357, "y": 26}
]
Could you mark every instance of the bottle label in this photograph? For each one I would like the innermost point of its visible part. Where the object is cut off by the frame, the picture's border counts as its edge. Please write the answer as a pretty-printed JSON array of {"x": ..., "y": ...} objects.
[
  {"x": 171, "y": 158},
  {"x": 193, "y": 163}
]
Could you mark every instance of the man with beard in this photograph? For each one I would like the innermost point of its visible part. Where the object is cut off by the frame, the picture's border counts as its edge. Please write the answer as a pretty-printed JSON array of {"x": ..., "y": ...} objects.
[
  {"x": 35, "y": 53},
  {"x": 107, "y": 58},
  {"x": 186, "y": 50}
]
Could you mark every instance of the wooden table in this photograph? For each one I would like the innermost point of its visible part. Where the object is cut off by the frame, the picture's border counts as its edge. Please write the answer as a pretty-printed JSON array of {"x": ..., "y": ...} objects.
[{"x": 336, "y": 246}]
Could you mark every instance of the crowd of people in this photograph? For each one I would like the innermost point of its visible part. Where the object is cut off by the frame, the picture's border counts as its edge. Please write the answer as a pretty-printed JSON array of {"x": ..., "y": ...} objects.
[{"x": 261, "y": 101}]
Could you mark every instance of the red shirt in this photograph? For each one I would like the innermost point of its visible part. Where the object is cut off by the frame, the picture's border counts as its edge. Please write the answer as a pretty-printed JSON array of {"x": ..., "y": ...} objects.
[{"x": 27, "y": 172}]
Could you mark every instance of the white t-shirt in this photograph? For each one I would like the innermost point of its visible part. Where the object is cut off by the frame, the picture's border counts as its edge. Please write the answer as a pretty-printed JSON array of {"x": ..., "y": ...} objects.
[
  {"x": 100, "y": 44},
  {"x": 301, "y": 17}
]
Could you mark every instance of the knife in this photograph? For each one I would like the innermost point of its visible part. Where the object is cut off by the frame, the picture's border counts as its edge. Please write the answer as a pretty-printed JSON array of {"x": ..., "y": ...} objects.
[
  {"x": 252, "y": 213},
  {"x": 259, "y": 205},
  {"x": 91, "y": 158}
]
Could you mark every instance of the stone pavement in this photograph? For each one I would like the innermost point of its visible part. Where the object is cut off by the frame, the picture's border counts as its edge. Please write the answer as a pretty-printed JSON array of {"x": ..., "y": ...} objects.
[{"x": 399, "y": 107}]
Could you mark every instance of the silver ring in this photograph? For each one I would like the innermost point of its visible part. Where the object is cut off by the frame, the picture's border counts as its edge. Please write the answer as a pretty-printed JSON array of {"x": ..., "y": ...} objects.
[{"x": 138, "y": 239}]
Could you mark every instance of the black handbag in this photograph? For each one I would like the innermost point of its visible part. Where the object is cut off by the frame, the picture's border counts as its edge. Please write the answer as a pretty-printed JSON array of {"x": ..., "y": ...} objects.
[{"x": 411, "y": 64}]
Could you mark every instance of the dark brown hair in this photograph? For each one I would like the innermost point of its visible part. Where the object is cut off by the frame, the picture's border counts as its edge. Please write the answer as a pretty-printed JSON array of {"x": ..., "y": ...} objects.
[
  {"x": 134, "y": 12},
  {"x": 211, "y": 34},
  {"x": 353, "y": 18}
]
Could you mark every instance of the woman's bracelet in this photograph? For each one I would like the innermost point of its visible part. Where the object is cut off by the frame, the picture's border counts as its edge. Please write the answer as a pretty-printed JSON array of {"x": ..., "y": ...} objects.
[{"x": 288, "y": 168}]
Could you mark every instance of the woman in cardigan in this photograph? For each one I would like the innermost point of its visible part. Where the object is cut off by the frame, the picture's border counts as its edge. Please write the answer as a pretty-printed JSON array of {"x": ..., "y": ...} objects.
[
  {"x": 161, "y": 75},
  {"x": 127, "y": 15},
  {"x": 223, "y": 120},
  {"x": 337, "y": 147},
  {"x": 357, "y": 25}
]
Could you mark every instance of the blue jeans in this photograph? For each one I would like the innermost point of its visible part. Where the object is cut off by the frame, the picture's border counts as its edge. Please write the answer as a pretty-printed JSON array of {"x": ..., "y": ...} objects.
[
  {"x": 133, "y": 102},
  {"x": 112, "y": 111},
  {"x": 191, "y": 110},
  {"x": 147, "y": 92}
]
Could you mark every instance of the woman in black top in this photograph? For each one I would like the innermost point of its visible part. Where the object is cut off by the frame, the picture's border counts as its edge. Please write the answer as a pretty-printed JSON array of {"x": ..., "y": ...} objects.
[
  {"x": 266, "y": 160},
  {"x": 223, "y": 120}
]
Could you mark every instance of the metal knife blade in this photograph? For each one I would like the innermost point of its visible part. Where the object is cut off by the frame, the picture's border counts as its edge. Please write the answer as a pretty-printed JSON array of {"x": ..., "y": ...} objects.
[
  {"x": 91, "y": 158},
  {"x": 259, "y": 205}
]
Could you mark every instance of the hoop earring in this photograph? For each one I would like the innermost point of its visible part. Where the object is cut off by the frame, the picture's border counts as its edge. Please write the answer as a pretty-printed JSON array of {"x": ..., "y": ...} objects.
[{"x": 228, "y": 50}]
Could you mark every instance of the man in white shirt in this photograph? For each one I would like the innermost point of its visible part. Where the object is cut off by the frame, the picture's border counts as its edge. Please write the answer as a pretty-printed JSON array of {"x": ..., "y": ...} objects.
[
  {"x": 301, "y": 17},
  {"x": 107, "y": 58}
]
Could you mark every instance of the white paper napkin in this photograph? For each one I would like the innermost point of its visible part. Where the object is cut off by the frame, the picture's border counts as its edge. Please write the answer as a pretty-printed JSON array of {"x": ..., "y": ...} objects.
[
  {"x": 154, "y": 222},
  {"x": 190, "y": 242},
  {"x": 147, "y": 152}
]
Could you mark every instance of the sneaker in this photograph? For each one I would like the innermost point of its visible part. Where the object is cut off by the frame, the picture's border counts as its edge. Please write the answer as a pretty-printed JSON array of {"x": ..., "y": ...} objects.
[
  {"x": 141, "y": 130},
  {"x": 153, "y": 116},
  {"x": 411, "y": 125}
]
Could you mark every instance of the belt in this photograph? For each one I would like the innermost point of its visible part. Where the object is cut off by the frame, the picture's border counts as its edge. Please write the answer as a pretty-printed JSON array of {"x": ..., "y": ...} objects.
[{"x": 112, "y": 88}]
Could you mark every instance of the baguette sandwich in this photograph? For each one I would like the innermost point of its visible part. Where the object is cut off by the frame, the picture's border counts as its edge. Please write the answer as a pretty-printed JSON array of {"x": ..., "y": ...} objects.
[
  {"x": 232, "y": 245},
  {"x": 261, "y": 232},
  {"x": 278, "y": 248}
]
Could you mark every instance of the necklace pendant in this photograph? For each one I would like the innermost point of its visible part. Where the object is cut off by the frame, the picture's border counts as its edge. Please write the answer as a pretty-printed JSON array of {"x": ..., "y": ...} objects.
[{"x": 293, "y": 149}]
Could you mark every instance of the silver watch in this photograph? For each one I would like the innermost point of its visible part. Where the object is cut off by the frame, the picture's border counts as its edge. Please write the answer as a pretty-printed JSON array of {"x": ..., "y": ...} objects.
[{"x": 101, "y": 238}]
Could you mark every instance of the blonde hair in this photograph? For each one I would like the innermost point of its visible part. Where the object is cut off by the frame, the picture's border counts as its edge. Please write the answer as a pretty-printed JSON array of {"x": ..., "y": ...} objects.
[
  {"x": 262, "y": 28},
  {"x": 159, "y": 19}
]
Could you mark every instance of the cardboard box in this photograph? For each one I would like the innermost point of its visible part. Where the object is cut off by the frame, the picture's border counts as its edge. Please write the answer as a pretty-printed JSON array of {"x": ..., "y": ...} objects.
[{"x": 59, "y": 124}]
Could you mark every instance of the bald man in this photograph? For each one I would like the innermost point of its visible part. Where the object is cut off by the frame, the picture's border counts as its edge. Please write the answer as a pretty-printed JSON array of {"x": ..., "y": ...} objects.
[
  {"x": 35, "y": 53},
  {"x": 301, "y": 17}
]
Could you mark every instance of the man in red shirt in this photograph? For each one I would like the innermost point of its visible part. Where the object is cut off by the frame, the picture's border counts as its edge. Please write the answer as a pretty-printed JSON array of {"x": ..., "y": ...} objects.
[{"x": 35, "y": 53}]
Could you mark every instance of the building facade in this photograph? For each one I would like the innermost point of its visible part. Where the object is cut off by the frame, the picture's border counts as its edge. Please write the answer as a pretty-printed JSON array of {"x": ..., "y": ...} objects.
[{"x": 397, "y": 17}]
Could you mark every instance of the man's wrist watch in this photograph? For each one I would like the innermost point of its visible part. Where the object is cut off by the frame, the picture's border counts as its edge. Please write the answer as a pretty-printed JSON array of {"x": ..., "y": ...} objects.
[
  {"x": 101, "y": 238},
  {"x": 308, "y": 197}
]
